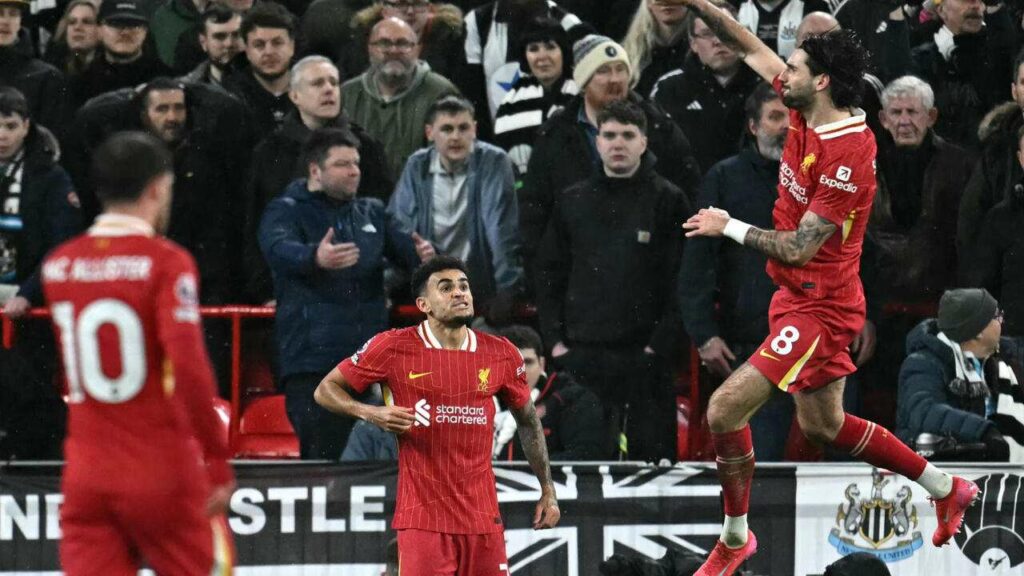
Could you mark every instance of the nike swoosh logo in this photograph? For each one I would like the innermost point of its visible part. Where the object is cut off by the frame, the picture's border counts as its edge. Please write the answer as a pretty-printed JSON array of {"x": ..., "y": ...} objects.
[
  {"x": 415, "y": 375},
  {"x": 765, "y": 353}
]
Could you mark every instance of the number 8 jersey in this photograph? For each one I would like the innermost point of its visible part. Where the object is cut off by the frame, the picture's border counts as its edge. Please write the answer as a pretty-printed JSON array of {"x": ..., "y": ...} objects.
[{"x": 125, "y": 306}]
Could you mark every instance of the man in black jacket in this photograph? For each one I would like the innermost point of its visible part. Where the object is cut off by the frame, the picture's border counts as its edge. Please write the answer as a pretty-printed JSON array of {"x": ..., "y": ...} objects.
[
  {"x": 565, "y": 151},
  {"x": 570, "y": 414},
  {"x": 315, "y": 92},
  {"x": 606, "y": 276},
  {"x": 42, "y": 85}
]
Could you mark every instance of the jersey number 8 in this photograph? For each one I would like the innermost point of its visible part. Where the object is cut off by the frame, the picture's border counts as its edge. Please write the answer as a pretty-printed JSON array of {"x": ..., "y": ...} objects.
[
  {"x": 783, "y": 343},
  {"x": 80, "y": 347}
]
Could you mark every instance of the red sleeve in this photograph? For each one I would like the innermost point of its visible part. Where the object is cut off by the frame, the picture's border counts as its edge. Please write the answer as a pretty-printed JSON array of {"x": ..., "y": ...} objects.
[
  {"x": 777, "y": 84},
  {"x": 369, "y": 364},
  {"x": 181, "y": 337},
  {"x": 515, "y": 392},
  {"x": 842, "y": 183}
]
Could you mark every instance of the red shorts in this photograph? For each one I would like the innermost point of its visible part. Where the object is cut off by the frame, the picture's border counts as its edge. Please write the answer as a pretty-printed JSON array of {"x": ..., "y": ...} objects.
[
  {"x": 114, "y": 534},
  {"x": 808, "y": 344},
  {"x": 425, "y": 553}
]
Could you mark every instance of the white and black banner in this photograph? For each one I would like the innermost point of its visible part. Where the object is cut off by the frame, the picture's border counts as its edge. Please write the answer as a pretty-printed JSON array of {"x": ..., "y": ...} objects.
[{"x": 313, "y": 519}]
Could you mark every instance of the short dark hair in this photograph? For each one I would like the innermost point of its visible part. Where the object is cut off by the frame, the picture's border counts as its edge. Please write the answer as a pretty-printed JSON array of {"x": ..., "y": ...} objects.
[
  {"x": 523, "y": 337},
  {"x": 12, "y": 101},
  {"x": 126, "y": 163},
  {"x": 450, "y": 105},
  {"x": 217, "y": 14},
  {"x": 418, "y": 283},
  {"x": 267, "y": 14},
  {"x": 763, "y": 93},
  {"x": 840, "y": 54},
  {"x": 623, "y": 112},
  {"x": 1017, "y": 63},
  {"x": 545, "y": 29},
  {"x": 158, "y": 84},
  {"x": 318, "y": 146}
]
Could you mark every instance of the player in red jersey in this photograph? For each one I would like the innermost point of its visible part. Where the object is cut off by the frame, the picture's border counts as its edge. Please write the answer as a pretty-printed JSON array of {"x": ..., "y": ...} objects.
[
  {"x": 826, "y": 187},
  {"x": 138, "y": 487},
  {"x": 438, "y": 380}
]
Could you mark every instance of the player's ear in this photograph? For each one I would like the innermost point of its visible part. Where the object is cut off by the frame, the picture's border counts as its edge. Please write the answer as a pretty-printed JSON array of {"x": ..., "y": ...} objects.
[{"x": 422, "y": 305}]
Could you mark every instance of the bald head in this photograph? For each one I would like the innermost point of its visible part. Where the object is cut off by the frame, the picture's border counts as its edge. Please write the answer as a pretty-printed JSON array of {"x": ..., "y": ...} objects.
[
  {"x": 393, "y": 28},
  {"x": 815, "y": 24}
]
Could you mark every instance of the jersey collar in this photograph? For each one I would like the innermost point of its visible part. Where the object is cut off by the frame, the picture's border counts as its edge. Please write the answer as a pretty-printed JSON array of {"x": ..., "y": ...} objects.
[
  {"x": 855, "y": 123},
  {"x": 431, "y": 341},
  {"x": 120, "y": 225}
]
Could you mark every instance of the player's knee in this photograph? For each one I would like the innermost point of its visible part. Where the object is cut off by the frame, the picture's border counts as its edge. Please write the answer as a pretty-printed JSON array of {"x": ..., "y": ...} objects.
[{"x": 721, "y": 412}]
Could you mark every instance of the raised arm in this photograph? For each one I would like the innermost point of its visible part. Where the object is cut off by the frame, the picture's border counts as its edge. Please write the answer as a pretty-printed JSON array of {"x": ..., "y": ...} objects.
[
  {"x": 531, "y": 435},
  {"x": 755, "y": 53},
  {"x": 793, "y": 247}
]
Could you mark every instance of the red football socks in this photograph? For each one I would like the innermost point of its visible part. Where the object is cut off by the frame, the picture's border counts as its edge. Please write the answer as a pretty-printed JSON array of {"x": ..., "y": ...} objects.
[
  {"x": 877, "y": 446},
  {"x": 735, "y": 459}
]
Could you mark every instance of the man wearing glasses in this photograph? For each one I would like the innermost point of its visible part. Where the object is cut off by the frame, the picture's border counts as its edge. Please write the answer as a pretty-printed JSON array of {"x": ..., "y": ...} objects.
[{"x": 390, "y": 100}]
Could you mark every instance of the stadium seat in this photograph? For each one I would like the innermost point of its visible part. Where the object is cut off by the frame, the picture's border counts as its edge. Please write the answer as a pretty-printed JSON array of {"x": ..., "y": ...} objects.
[{"x": 264, "y": 430}]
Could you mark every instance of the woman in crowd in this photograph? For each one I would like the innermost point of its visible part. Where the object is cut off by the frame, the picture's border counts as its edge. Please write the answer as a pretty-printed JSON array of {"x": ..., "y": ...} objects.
[
  {"x": 656, "y": 42},
  {"x": 543, "y": 50},
  {"x": 75, "y": 40}
]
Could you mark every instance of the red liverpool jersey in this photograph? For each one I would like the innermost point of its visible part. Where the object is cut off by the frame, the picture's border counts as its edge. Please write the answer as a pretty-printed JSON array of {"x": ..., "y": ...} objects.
[
  {"x": 445, "y": 480},
  {"x": 140, "y": 386},
  {"x": 829, "y": 170}
]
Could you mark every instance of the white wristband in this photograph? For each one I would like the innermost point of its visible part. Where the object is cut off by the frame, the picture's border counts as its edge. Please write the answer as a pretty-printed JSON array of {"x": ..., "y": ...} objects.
[{"x": 736, "y": 229}]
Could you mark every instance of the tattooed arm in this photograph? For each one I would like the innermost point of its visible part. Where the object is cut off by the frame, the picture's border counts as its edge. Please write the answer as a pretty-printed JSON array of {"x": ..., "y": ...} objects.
[
  {"x": 793, "y": 247},
  {"x": 531, "y": 435},
  {"x": 759, "y": 57}
]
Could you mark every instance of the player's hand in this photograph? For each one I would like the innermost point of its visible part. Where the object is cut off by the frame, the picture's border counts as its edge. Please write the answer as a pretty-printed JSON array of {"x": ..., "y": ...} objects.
[
  {"x": 559, "y": 350},
  {"x": 716, "y": 356},
  {"x": 706, "y": 222},
  {"x": 424, "y": 249},
  {"x": 864, "y": 344},
  {"x": 219, "y": 499},
  {"x": 331, "y": 256},
  {"x": 547, "y": 514},
  {"x": 17, "y": 307},
  {"x": 394, "y": 419}
]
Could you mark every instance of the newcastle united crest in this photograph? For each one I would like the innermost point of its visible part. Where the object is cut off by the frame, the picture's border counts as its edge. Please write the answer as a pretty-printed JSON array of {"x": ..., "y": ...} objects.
[{"x": 884, "y": 527}]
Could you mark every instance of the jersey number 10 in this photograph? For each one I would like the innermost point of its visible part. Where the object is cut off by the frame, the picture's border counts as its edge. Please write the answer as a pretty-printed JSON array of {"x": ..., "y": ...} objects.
[{"x": 80, "y": 347}]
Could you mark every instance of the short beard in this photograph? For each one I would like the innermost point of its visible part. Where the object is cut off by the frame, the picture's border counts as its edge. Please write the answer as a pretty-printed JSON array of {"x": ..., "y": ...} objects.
[
  {"x": 392, "y": 80},
  {"x": 466, "y": 320},
  {"x": 269, "y": 77},
  {"x": 771, "y": 147},
  {"x": 797, "y": 103}
]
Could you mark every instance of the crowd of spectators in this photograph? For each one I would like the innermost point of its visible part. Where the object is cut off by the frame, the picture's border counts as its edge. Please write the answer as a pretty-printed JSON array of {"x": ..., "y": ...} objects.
[{"x": 322, "y": 149}]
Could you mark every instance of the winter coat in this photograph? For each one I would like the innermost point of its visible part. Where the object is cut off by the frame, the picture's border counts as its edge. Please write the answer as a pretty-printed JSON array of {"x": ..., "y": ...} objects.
[
  {"x": 919, "y": 260},
  {"x": 695, "y": 100},
  {"x": 972, "y": 81},
  {"x": 43, "y": 85},
  {"x": 608, "y": 262},
  {"x": 325, "y": 315},
  {"x": 441, "y": 41},
  {"x": 266, "y": 111},
  {"x": 277, "y": 162},
  {"x": 562, "y": 156},
  {"x": 399, "y": 122},
  {"x": 523, "y": 111},
  {"x": 169, "y": 22},
  {"x": 663, "y": 60},
  {"x": 492, "y": 214},
  {"x": 718, "y": 270},
  {"x": 996, "y": 262},
  {"x": 995, "y": 173},
  {"x": 925, "y": 402},
  {"x": 888, "y": 41},
  {"x": 49, "y": 210},
  {"x": 102, "y": 76}
]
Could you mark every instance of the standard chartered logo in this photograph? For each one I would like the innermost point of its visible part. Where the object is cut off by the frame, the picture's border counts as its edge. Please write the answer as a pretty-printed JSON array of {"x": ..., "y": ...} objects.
[
  {"x": 449, "y": 414},
  {"x": 422, "y": 413}
]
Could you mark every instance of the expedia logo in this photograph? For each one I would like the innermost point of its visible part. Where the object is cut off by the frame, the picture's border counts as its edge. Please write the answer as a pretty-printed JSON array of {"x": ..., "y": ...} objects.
[
  {"x": 449, "y": 414},
  {"x": 883, "y": 527},
  {"x": 833, "y": 183},
  {"x": 423, "y": 413},
  {"x": 992, "y": 536}
]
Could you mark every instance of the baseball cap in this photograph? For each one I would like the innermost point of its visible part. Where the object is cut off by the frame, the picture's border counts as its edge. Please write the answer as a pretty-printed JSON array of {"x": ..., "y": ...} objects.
[{"x": 123, "y": 11}]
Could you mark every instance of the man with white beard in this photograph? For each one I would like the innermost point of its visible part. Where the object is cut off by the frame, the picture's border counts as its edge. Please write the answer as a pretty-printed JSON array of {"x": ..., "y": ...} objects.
[{"x": 744, "y": 183}]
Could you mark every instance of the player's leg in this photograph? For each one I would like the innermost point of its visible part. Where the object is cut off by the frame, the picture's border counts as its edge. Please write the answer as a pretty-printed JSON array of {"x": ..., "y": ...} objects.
[
  {"x": 425, "y": 553},
  {"x": 91, "y": 544},
  {"x": 482, "y": 555},
  {"x": 175, "y": 536},
  {"x": 821, "y": 416}
]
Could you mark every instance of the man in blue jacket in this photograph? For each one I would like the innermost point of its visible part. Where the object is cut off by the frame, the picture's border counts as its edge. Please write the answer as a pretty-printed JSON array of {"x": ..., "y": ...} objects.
[
  {"x": 459, "y": 193},
  {"x": 326, "y": 250}
]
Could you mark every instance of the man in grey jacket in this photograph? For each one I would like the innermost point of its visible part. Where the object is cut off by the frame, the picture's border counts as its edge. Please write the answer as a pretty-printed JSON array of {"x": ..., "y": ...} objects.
[{"x": 459, "y": 194}]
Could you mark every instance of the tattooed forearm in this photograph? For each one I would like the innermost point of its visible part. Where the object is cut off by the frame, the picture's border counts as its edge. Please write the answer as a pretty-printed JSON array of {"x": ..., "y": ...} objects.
[
  {"x": 718, "y": 21},
  {"x": 794, "y": 247},
  {"x": 531, "y": 434}
]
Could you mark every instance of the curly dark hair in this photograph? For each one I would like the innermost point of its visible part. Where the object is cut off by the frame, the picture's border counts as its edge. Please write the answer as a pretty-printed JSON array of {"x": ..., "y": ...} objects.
[{"x": 840, "y": 54}]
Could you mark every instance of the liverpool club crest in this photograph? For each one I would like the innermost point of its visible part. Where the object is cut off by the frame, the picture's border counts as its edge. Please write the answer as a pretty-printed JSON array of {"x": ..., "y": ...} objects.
[{"x": 884, "y": 527}]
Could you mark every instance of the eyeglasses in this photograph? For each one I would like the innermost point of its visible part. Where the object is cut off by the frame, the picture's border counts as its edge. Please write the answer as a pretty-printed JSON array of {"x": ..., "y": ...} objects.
[
  {"x": 406, "y": 6},
  {"x": 399, "y": 45}
]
